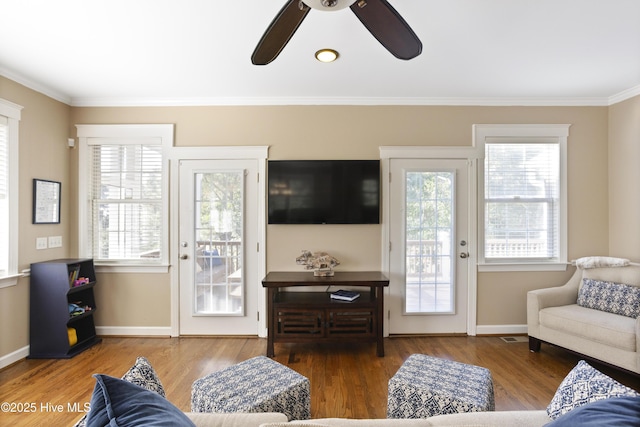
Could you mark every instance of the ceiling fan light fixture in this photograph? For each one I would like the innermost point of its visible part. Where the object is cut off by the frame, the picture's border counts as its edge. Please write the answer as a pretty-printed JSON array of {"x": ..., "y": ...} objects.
[
  {"x": 328, "y": 4},
  {"x": 327, "y": 55},
  {"x": 378, "y": 17}
]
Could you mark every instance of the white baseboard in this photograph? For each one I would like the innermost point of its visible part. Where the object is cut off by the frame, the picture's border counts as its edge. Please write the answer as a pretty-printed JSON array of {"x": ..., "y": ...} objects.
[
  {"x": 139, "y": 331},
  {"x": 501, "y": 329},
  {"x": 13, "y": 357}
]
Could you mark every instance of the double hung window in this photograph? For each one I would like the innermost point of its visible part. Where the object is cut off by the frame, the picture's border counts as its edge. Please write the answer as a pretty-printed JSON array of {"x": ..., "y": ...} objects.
[
  {"x": 125, "y": 210},
  {"x": 523, "y": 211}
]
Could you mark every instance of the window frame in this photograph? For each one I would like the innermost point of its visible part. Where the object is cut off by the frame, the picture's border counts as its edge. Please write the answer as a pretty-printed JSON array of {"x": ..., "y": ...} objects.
[
  {"x": 91, "y": 135},
  {"x": 13, "y": 114},
  {"x": 527, "y": 134}
]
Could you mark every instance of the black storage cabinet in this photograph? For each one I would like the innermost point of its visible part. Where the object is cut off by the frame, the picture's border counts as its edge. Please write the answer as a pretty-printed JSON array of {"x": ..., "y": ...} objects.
[{"x": 52, "y": 291}]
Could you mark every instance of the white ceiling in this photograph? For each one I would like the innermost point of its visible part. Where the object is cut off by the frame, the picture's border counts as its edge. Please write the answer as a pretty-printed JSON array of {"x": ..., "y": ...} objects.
[{"x": 197, "y": 52}]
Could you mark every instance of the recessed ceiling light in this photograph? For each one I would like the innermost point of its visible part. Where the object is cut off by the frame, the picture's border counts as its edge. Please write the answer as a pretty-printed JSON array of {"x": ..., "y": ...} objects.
[{"x": 327, "y": 55}]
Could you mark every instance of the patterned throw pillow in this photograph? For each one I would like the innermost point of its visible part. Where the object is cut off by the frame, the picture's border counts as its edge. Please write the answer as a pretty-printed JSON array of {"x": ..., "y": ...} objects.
[
  {"x": 141, "y": 374},
  {"x": 616, "y": 298},
  {"x": 585, "y": 384}
]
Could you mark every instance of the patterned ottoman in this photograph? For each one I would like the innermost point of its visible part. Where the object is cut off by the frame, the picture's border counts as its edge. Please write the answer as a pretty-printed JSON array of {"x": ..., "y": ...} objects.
[
  {"x": 255, "y": 385},
  {"x": 425, "y": 386}
]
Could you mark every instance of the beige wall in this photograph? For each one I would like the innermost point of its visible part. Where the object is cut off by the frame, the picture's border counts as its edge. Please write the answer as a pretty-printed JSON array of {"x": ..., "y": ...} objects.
[
  {"x": 323, "y": 132},
  {"x": 133, "y": 300},
  {"x": 624, "y": 179},
  {"x": 44, "y": 129}
]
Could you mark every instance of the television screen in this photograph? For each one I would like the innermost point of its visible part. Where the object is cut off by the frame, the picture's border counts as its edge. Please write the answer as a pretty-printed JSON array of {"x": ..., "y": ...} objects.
[{"x": 324, "y": 192}]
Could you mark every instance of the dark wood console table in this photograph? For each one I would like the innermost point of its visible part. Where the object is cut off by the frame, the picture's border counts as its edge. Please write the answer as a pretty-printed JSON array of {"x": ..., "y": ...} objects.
[{"x": 316, "y": 317}]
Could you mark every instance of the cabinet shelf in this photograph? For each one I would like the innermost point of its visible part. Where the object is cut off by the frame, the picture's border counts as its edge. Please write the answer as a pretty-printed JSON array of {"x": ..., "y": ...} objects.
[
  {"x": 79, "y": 317},
  {"x": 51, "y": 294},
  {"x": 317, "y": 299},
  {"x": 74, "y": 289}
]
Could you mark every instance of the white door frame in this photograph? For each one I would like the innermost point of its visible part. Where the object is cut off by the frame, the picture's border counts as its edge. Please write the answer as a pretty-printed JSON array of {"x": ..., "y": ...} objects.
[
  {"x": 259, "y": 153},
  {"x": 436, "y": 152}
]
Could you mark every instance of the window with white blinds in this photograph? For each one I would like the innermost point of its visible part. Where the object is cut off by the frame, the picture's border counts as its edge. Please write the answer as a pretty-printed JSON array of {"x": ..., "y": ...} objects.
[
  {"x": 126, "y": 200},
  {"x": 124, "y": 209},
  {"x": 9, "y": 125},
  {"x": 4, "y": 196},
  {"x": 522, "y": 201},
  {"x": 522, "y": 215}
]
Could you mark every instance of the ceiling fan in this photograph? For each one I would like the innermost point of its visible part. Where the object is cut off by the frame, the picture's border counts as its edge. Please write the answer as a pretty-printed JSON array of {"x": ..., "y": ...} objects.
[{"x": 378, "y": 16}]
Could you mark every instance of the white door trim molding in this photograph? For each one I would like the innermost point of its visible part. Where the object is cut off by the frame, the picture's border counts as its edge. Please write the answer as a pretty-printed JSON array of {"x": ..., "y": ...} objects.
[{"x": 176, "y": 154}]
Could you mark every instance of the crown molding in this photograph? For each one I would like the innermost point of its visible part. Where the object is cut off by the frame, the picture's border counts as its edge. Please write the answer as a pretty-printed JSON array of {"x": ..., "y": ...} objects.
[
  {"x": 357, "y": 101},
  {"x": 38, "y": 87},
  {"x": 283, "y": 101},
  {"x": 624, "y": 95}
]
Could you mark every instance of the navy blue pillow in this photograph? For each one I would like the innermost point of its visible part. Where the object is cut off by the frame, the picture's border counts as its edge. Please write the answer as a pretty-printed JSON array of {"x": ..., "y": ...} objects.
[
  {"x": 118, "y": 403},
  {"x": 617, "y": 411}
]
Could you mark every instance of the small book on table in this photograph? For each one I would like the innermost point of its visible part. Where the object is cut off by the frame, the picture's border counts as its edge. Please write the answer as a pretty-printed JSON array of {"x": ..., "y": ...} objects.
[{"x": 344, "y": 295}]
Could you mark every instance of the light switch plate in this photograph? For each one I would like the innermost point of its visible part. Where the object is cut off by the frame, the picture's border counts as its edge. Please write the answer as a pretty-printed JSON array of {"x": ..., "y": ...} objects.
[
  {"x": 55, "y": 241},
  {"x": 41, "y": 243}
]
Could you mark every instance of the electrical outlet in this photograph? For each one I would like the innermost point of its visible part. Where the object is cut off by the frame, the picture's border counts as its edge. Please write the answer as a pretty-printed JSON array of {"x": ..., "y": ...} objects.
[
  {"x": 41, "y": 243},
  {"x": 55, "y": 241}
]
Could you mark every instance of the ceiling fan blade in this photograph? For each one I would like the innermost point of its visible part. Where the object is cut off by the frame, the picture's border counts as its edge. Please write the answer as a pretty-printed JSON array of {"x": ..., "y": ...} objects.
[
  {"x": 279, "y": 32},
  {"x": 386, "y": 25}
]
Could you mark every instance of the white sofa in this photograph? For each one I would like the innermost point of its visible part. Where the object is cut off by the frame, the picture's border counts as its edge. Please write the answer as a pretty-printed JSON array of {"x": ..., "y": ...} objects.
[
  {"x": 497, "y": 419},
  {"x": 555, "y": 316}
]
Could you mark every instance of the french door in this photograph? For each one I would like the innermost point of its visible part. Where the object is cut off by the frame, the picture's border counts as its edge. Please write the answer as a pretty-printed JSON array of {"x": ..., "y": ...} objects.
[
  {"x": 428, "y": 234},
  {"x": 218, "y": 234}
]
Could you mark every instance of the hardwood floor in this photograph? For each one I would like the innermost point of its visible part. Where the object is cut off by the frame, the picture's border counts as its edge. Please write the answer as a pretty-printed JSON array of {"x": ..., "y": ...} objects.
[{"x": 347, "y": 380}]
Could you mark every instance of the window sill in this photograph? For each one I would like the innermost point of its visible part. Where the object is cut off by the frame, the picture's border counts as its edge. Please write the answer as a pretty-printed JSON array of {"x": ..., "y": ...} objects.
[
  {"x": 129, "y": 268},
  {"x": 10, "y": 280},
  {"x": 534, "y": 266}
]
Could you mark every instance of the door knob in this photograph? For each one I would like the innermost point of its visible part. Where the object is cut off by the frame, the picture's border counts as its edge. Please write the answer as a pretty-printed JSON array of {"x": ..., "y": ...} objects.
[
  {"x": 464, "y": 255},
  {"x": 184, "y": 256}
]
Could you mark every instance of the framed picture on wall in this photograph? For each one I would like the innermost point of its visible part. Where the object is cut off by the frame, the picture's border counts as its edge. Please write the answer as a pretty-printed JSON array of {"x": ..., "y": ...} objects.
[{"x": 46, "y": 202}]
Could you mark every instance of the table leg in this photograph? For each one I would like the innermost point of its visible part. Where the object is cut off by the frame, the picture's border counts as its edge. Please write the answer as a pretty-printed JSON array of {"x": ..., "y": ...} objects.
[
  {"x": 379, "y": 295},
  {"x": 271, "y": 293}
]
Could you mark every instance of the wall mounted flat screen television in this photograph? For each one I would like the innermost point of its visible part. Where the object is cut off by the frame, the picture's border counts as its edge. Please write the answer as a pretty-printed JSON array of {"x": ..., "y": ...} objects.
[{"x": 324, "y": 191}]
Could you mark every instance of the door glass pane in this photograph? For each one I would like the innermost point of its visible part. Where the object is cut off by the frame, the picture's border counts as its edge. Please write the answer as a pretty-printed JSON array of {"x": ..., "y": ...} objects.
[
  {"x": 218, "y": 223},
  {"x": 429, "y": 234}
]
